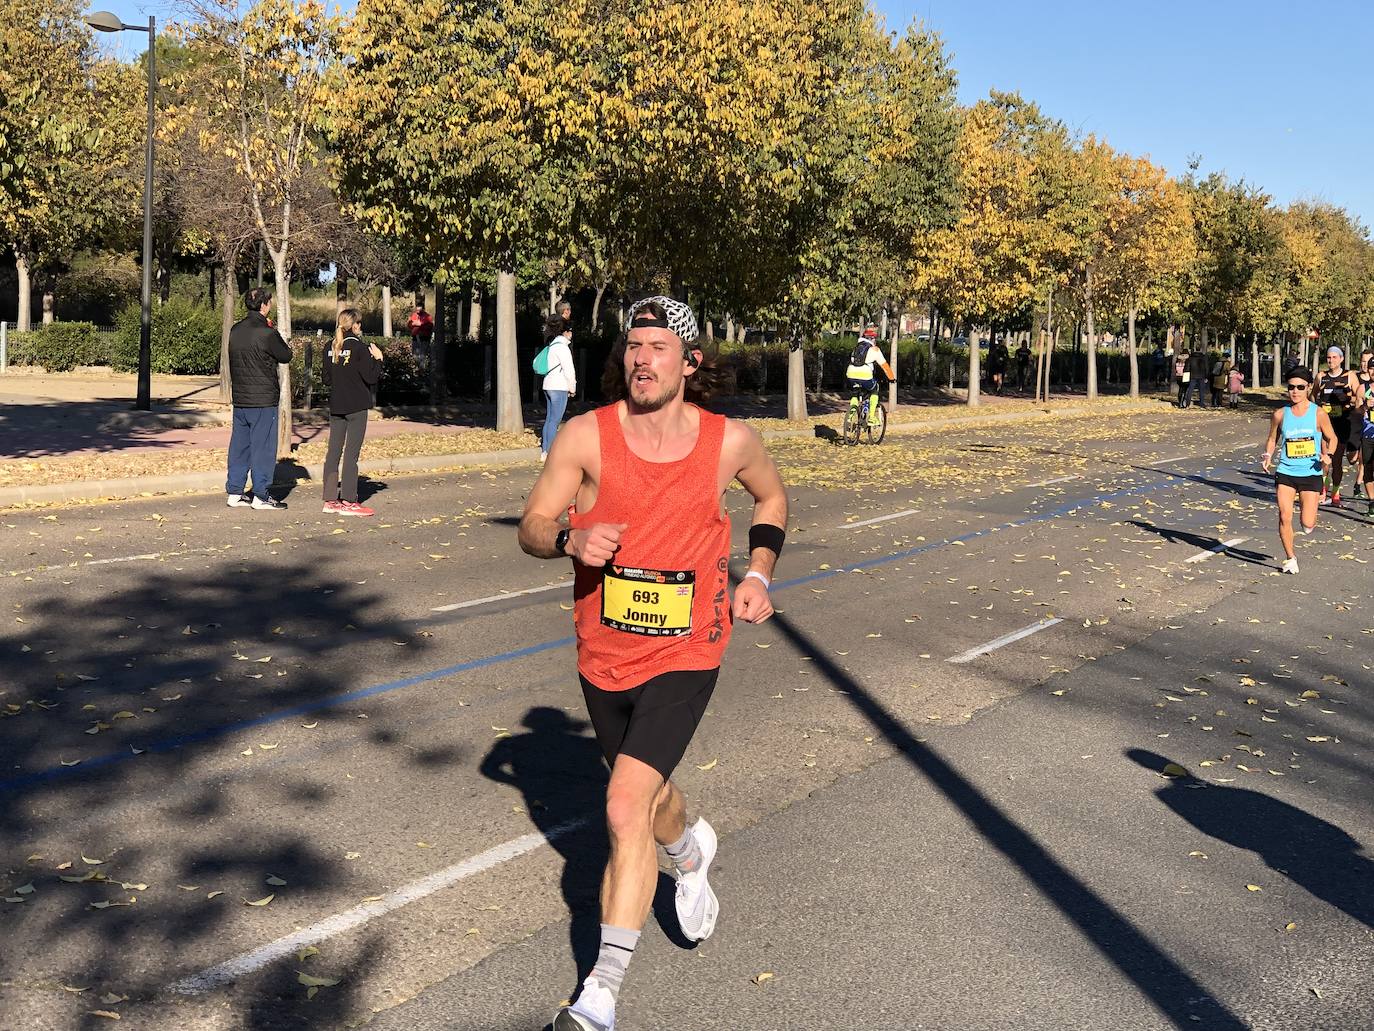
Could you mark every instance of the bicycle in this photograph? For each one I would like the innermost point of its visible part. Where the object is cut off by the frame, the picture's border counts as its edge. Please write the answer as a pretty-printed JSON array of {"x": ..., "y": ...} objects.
[{"x": 856, "y": 426}]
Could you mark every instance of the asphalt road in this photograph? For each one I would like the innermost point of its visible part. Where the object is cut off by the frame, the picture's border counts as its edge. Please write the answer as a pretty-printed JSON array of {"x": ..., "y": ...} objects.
[{"x": 210, "y": 701}]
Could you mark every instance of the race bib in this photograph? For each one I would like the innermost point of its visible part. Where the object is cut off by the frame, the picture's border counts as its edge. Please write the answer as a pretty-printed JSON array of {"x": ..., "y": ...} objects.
[
  {"x": 654, "y": 602},
  {"x": 1334, "y": 410},
  {"x": 1300, "y": 447}
]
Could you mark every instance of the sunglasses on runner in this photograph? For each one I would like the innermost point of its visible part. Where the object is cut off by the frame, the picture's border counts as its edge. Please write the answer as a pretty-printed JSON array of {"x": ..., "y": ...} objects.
[{"x": 1297, "y": 386}]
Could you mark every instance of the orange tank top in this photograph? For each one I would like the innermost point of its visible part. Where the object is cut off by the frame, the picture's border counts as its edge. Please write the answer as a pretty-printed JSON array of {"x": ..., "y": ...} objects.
[{"x": 662, "y": 605}]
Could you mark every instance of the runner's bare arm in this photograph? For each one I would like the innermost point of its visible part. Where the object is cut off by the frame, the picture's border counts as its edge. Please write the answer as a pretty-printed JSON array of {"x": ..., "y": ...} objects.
[
  {"x": 555, "y": 490},
  {"x": 759, "y": 476},
  {"x": 1274, "y": 424}
]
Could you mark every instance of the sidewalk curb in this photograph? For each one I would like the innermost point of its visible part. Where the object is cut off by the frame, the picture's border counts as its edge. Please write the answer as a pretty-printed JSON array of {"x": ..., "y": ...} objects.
[{"x": 212, "y": 482}]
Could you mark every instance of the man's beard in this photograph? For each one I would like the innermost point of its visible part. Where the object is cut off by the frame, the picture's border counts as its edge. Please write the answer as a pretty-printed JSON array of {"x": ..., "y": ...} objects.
[{"x": 653, "y": 403}]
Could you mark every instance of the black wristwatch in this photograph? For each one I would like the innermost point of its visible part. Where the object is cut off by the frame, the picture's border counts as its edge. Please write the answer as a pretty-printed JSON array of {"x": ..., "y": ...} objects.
[{"x": 560, "y": 543}]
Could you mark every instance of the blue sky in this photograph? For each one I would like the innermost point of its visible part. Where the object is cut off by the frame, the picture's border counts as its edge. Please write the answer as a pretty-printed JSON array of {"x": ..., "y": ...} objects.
[{"x": 1275, "y": 92}]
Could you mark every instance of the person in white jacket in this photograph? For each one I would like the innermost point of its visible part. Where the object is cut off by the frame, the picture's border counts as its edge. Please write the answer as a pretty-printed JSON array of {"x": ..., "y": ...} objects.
[{"x": 560, "y": 383}]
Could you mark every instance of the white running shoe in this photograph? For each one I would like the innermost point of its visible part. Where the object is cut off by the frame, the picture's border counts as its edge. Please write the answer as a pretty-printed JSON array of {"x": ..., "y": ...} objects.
[
  {"x": 1291, "y": 566},
  {"x": 239, "y": 500},
  {"x": 697, "y": 907},
  {"x": 1308, "y": 529},
  {"x": 268, "y": 503},
  {"x": 594, "y": 1010}
]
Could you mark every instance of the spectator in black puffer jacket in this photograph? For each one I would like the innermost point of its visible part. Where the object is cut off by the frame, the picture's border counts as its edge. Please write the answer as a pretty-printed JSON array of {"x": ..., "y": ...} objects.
[{"x": 255, "y": 351}]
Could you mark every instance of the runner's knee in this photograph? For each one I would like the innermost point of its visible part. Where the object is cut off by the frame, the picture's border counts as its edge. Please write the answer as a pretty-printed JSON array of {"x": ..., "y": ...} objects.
[{"x": 628, "y": 814}]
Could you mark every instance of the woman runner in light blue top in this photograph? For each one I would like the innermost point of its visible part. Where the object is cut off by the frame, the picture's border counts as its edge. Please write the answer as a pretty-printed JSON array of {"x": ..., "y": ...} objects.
[{"x": 1296, "y": 430}]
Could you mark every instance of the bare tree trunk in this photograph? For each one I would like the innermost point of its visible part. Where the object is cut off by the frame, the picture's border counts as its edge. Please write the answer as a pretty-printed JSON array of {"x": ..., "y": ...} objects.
[
  {"x": 1254, "y": 361},
  {"x": 509, "y": 418},
  {"x": 211, "y": 269},
  {"x": 796, "y": 385},
  {"x": 1131, "y": 352},
  {"x": 436, "y": 346},
  {"x": 892, "y": 360},
  {"x": 1092, "y": 334},
  {"x": 340, "y": 292},
  {"x": 596, "y": 306},
  {"x": 283, "y": 285},
  {"x": 226, "y": 322},
  {"x": 1277, "y": 371},
  {"x": 386, "y": 310},
  {"x": 1233, "y": 350},
  {"x": 475, "y": 314},
  {"x": 24, "y": 318},
  {"x": 974, "y": 386}
]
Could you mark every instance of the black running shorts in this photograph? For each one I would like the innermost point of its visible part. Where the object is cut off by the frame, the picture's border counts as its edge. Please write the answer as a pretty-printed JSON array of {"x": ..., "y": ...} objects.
[
  {"x": 653, "y": 722},
  {"x": 1367, "y": 456},
  {"x": 1300, "y": 483},
  {"x": 1340, "y": 426}
]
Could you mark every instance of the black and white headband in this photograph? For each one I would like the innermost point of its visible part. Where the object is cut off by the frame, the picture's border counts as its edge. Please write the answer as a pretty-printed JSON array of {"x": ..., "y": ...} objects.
[{"x": 680, "y": 319}]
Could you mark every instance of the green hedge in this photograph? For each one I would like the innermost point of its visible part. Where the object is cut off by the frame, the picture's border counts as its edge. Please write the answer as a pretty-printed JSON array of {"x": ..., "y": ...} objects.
[
  {"x": 58, "y": 347},
  {"x": 185, "y": 339}
]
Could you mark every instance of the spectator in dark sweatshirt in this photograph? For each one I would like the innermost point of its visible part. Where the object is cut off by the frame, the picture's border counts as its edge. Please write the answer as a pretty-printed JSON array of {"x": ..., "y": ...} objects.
[
  {"x": 351, "y": 368},
  {"x": 255, "y": 351}
]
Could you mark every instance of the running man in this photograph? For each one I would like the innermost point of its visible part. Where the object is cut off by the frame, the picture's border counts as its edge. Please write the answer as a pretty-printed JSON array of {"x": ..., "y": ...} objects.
[
  {"x": 1295, "y": 430},
  {"x": 643, "y": 480},
  {"x": 862, "y": 378},
  {"x": 1337, "y": 393}
]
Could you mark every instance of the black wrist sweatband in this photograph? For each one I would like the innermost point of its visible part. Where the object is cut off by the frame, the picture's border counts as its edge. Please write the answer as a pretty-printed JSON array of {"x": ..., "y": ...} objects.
[{"x": 766, "y": 535}]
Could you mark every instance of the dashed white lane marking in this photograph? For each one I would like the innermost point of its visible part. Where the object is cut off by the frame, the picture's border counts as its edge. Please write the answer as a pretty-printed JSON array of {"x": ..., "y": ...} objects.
[
  {"x": 233, "y": 969},
  {"x": 1171, "y": 461},
  {"x": 561, "y": 585},
  {"x": 1004, "y": 640},
  {"x": 152, "y": 556},
  {"x": 879, "y": 519},
  {"x": 1061, "y": 479},
  {"x": 1203, "y": 556}
]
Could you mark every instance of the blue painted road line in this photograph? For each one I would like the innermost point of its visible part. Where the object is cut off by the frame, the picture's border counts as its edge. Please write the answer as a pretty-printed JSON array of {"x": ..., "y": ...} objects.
[{"x": 56, "y": 773}]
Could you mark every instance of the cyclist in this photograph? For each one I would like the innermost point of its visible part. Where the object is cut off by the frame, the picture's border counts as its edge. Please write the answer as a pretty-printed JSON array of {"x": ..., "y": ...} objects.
[{"x": 863, "y": 381}]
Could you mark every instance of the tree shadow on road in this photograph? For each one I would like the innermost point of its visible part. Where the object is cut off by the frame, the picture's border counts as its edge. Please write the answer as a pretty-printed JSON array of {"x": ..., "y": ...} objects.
[
  {"x": 1314, "y": 854},
  {"x": 118, "y": 720},
  {"x": 560, "y": 773},
  {"x": 1172, "y": 990}
]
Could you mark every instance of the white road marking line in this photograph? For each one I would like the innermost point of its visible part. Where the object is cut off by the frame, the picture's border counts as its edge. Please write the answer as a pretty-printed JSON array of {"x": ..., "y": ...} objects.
[
  {"x": 232, "y": 969},
  {"x": 501, "y": 597},
  {"x": 879, "y": 519},
  {"x": 1203, "y": 556},
  {"x": 1004, "y": 640},
  {"x": 1170, "y": 461},
  {"x": 150, "y": 557},
  {"x": 126, "y": 558},
  {"x": 1062, "y": 479}
]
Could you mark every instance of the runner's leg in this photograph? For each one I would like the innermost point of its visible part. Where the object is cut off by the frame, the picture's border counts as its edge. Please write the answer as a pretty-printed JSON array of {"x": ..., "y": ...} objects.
[
  {"x": 1286, "y": 495},
  {"x": 631, "y": 802},
  {"x": 1308, "y": 501}
]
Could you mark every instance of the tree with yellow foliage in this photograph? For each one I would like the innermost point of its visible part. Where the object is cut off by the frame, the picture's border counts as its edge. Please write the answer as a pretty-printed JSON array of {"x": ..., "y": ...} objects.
[{"x": 1003, "y": 246}]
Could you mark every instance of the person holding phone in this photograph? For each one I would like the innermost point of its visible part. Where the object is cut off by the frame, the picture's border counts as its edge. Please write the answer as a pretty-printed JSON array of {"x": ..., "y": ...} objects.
[{"x": 352, "y": 369}]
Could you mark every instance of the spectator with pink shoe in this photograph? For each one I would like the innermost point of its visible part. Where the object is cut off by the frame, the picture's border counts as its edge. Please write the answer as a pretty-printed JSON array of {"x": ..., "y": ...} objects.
[{"x": 351, "y": 368}]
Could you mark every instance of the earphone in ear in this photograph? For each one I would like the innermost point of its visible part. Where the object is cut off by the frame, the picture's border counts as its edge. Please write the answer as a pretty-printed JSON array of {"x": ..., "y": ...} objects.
[{"x": 689, "y": 357}]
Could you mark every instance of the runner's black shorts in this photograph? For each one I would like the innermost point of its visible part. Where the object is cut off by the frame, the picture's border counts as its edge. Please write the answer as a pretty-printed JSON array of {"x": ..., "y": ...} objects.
[
  {"x": 1367, "y": 457},
  {"x": 1340, "y": 426},
  {"x": 653, "y": 722},
  {"x": 1300, "y": 483}
]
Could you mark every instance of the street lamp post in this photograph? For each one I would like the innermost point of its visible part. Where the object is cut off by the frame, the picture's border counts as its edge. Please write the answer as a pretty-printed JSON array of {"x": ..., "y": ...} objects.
[{"x": 104, "y": 21}]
